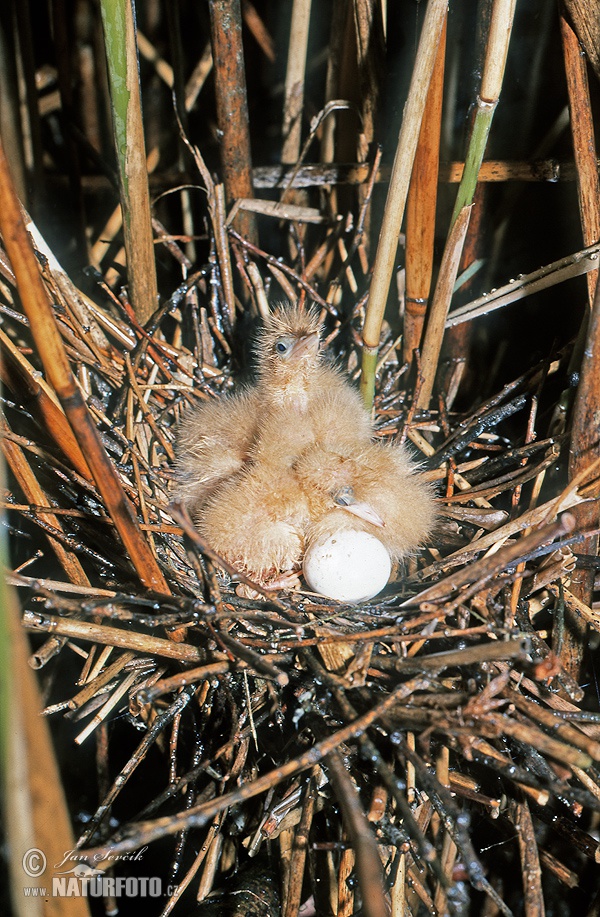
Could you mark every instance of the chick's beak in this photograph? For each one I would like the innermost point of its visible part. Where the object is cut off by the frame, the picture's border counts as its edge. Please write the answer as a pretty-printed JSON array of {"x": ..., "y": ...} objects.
[
  {"x": 345, "y": 500},
  {"x": 307, "y": 344}
]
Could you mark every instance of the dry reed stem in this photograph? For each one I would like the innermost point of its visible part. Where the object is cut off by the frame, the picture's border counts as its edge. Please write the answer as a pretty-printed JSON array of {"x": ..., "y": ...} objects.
[
  {"x": 396, "y": 200},
  {"x": 293, "y": 897},
  {"x": 293, "y": 105},
  {"x": 19, "y": 377},
  {"x": 232, "y": 106},
  {"x": 583, "y": 452},
  {"x": 197, "y": 816},
  {"x": 584, "y": 445},
  {"x": 368, "y": 862},
  {"x": 585, "y": 15},
  {"x": 111, "y": 636},
  {"x": 432, "y": 345},
  {"x": 35, "y": 807},
  {"x": 584, "y": 147},
  {"x": 421, "y": 209},
  {"x": 32, "y": 491},
  {"x": 543, "y": 278},
  {"x": 370, "y": 47},
  {"x": 530, "y": 863},
  {"x": 52, "y": 353}
]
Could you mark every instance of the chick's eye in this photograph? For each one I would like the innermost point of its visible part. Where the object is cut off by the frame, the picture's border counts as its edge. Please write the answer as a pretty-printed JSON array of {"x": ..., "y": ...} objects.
[{"x": 282, "y": 347}]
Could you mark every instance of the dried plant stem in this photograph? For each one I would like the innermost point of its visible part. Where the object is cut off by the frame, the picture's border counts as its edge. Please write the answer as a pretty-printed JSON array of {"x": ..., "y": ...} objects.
[
  {"x": 52, "y": 353},
  {"x": 35, "y": 809},
  {"x": 111, "y": 636},
  {"x": 368, "y": 861},
  {"x": 585, "y": 15},
  {"x": 580, "y": 262},
  {"x": 421, "y": 208},
  {"x": 299, "y": 850},
  {"x": 28, "y": 483},
  {"x": 584, "y": 434},
  {"x": 370, "y": 47},
  {"x": 530, "y": 861},
  {"x": 19, "y": 376},
  {"x": 128, "y": 129},
  {"x": 232, "y": 106},
  {"x": 199, "y": 815},
  {"x": 432, "y": 345},
  {"x": 398, "y": 191},
  {"x": 294, "y": 81},
  {"x": 584, "y": 450},
  {"x": 582, "y": 129}
]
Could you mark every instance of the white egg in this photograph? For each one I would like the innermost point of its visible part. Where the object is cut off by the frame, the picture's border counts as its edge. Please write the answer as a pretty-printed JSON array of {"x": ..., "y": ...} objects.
[{"x": 350, "y": 566}]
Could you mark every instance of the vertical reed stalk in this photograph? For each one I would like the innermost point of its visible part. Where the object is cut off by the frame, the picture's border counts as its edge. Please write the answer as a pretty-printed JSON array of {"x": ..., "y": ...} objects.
[
  {"x": 503, "y": 12},
  {"x": 232, "y": 107},
  {"x": 432, "y": 344},
  {"x": 584, "y": 147},
  {"x": 420, "y": 209},
  {"x": 584, "y": 445},
  {"x": 398, "y": 191},
  {"x": 34, "y": 806},
  {"x": 585, "y": 15},
  {"x": 121, "y": 54},
  {"x": 294, "y": 81},
  {"x": 370, "y": 56}
]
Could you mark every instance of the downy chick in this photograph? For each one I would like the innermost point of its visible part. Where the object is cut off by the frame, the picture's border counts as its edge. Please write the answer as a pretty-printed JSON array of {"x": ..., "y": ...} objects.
[
  {"x": 236, "y": 455},
  {"x": 271, "y": 468}
]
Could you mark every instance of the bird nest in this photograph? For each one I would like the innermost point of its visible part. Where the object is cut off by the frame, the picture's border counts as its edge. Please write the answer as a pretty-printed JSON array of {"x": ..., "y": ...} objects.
[{"x": 291, "y": 754}]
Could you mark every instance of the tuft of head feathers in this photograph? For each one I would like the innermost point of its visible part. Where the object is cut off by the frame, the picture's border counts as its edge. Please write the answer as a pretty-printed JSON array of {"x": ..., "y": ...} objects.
[{"x": 288, "y": 345}]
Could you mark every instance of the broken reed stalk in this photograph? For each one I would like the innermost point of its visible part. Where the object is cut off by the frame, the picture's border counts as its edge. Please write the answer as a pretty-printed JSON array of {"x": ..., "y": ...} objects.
[
  {"x": 232, "y": 107},
  {"x": 432, "y": 344},
  {"x": 421, "y": 209},
  {"x": 111, "y": 636},
  {"x": 294, "y": 81},
  {"x": 128, "y": 129},
  {"x": 491, "y": 84},
  {"x": 385, "y": 258},
  {"x": 58, "y": 371}
]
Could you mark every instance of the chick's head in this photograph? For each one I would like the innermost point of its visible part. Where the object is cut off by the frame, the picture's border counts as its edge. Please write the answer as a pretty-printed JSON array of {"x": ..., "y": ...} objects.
[{"x": 287, "y": 351}]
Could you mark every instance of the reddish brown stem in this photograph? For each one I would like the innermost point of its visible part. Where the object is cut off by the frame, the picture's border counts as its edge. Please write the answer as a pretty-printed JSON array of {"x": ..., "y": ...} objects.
[{"x": 232, "y": 106}]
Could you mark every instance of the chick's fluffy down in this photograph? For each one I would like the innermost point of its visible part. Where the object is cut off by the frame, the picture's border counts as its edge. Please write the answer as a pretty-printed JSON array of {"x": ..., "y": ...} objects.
[
  {"x": 380, "y": 475},
  {"x": 257, "y": 521},
  {"x": 213, "y": 445}
]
